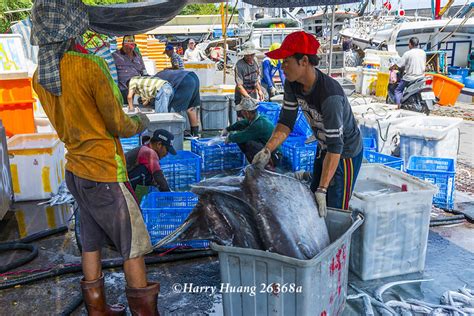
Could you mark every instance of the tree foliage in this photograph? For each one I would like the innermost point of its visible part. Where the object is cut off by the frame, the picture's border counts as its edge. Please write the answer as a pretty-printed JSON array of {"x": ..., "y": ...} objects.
[{"x": 7, "y": 18}]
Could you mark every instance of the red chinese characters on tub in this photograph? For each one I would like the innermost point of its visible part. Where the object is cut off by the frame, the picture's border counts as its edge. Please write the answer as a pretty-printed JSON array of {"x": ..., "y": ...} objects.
[{"x": 337, "y": 266}]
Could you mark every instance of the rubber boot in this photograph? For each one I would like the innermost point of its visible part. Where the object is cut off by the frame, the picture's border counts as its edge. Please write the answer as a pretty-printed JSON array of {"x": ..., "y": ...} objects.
[
  {"x": 94, "y": 298},
  {"x": 143, "y": 301}
]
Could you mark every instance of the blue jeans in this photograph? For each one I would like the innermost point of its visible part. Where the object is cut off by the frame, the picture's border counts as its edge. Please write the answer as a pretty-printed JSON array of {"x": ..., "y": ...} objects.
[
  {"x": 163, "y": 98},
  {"x": 342, "y": 184},
  {"x": 398, "y": 93}
]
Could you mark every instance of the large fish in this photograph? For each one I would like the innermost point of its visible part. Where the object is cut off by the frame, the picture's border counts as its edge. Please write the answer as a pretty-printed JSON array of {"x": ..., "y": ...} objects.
[{"x": 260, "y": 210}]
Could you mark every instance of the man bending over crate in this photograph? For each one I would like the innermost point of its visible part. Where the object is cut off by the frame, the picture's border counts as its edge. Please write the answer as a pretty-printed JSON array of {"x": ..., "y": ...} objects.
[
  {"x": 323, "y": 102},
  {"x": 252, "y": 132},
  {"x": 85, "y": 107},
  {"x": 143, "y": 163}
]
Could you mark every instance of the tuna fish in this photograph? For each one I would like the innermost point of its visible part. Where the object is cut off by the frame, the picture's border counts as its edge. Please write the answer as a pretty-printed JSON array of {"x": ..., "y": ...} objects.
[{"x": 260, "y": 210}]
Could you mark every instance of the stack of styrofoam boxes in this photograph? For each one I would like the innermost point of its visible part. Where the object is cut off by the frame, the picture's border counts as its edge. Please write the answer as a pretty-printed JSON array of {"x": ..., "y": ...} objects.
[
  {"x": 155, "y": 53},
  {"x": 16, "y": 94},
  {"x": 37, "y": 165},
  {"x": 396, "y": 208}
]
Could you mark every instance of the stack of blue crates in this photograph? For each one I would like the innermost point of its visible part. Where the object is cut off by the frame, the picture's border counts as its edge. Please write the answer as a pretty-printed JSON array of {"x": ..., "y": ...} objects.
[
  {"x": 130, "y": 142},
  {"x": 271, "y": 110},
  {"x": 181, "y": 170},
  {"x": 389, "y": 161},
  {"x": 219, "y": 156},
  {"x": 438, "y": 171},
  {"x": 163, "y": 212},
  {"x": 297, "y": 155},
  {"x": 369, "y": 143}
]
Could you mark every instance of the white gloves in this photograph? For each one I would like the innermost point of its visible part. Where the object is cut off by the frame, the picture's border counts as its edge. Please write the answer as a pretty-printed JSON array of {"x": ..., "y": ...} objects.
[
  {"x": 224, "y": 132},
  {"x": 320, "y": 195},
  {"x": 303, "y": 175},
  {"x": 262, "y": 158}
]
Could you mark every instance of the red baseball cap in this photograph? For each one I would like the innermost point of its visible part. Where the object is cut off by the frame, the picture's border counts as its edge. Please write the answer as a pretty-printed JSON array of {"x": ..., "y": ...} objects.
[{"x": 297, "y": 42}]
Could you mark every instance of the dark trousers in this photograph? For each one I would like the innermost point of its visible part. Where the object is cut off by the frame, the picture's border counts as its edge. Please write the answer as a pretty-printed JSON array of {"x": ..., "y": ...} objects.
[
  {"x": 140, "y": 175},
  {"x": 342, "y": 184},
  {"x": 251, "y": 148},
  {"x": 398, "y": 93}
]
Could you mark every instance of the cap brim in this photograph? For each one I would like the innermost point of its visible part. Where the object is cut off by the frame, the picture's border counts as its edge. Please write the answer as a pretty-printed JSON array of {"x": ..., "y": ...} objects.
[
  {"x": 171, "y": 150},
  {"x": 279, "y": 54}
]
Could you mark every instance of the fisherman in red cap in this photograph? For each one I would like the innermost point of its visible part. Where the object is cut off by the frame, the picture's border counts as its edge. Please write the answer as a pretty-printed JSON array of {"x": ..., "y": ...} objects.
[{"x": 327, "y": 109}]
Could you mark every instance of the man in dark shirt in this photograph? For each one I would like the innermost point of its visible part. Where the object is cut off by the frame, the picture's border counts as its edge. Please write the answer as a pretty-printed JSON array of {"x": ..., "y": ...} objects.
[
  {"x": 252, "y": 132},
  {"x": 129, "y": 64},
  {"x": 143, "y": 163},
  {"x": 323, "y": 102}
]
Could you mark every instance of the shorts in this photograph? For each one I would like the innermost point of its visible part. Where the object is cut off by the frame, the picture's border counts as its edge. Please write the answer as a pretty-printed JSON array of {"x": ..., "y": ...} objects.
[{"x": 109, "y": 213}]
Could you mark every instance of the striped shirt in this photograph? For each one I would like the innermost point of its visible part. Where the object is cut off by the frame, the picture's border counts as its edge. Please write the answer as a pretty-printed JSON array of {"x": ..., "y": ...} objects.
[
  {"x": 177, "y": 61},
  {"x": 146, "y": 87},
  {"x": 328, "y": 112}
]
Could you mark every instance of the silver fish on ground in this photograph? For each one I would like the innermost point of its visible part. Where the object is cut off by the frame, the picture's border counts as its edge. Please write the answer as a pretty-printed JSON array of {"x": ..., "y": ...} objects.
[
  {"x": 379, "y": 291},
  {"x": 261, "y": 210}
]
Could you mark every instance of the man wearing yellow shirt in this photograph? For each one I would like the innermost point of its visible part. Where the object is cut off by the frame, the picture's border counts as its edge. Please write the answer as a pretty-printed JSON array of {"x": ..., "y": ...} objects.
[{"x": 85, "y": 107}]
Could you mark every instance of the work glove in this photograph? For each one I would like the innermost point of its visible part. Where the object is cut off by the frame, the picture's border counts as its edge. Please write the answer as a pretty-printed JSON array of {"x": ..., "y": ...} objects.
[
  {"x": 227, "y": 139},
  {"x": 303, "y": 175},
  {"x": 320, "y": 196},
  {"x": 224, "y": 132},
  {"x": 273, "y": 92},
  {"x": 262, "y": 158}
]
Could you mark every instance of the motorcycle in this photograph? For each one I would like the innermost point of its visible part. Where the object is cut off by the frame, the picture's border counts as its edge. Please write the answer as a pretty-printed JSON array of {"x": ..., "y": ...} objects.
[{"x": 417, "y": 96}]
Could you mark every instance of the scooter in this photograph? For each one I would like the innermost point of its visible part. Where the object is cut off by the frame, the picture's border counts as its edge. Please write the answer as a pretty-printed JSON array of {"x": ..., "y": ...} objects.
[{"x": 418, "y": 95}]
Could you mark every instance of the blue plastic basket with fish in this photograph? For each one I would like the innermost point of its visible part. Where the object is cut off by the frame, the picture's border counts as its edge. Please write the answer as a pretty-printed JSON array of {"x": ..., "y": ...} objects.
[
  {"x": 163, "y": 212},
  {"x": 271, "y": 110},
  {"x": 438, "y": 171},
  {"x": 389, "y": 161},
  {"x": 181, "y": 170},
  {"x": 217, "y": 156},
  {"x": 130, "y": 142},
  {"x": 297, "y": 155},
  {"x": 369, "y": 143}
]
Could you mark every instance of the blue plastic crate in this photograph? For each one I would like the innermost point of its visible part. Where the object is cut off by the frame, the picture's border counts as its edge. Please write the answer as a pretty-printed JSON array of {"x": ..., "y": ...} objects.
[
  {"x": 389, "y": 161},
  {"x": 438, "y": 171},
  {"x": 299, "y": 156},
  {"x": 163, "y": 212},
  {"x": 219, "y": 156},
  {"x": 302, "y": 126},
  {"x": 369, "y": 143},
  {"x": 271, "y": 110},
  {"x": 181, "y": 170},
  {"x": 130, "y": 143}
]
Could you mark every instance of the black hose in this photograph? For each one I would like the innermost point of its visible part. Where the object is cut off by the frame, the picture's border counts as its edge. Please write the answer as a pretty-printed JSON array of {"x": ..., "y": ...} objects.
[
  {"x": 106, "y": 264},
  {"x": 17, "y": 246},
  {"x": 72, "y": 306},
  {"x": 21, "y": 244}
]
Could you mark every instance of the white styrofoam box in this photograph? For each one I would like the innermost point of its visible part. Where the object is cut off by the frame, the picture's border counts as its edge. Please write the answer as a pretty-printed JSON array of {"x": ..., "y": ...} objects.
[
  {"x": 214, "y": 111},
  {"x": 432, "y": 136},
  {"x": 375, "y": 107},
  {"x": 383, "y": 127},
  {"x": 36, "y": 164},
  {"x": 13, "y": 64},
  {"x": 43, "y": 125},
  {"x": 312, "y": 287},
  {"x": 369, "y": 81},
  {"x": 393, "y": 239},
  {"x": 172, "y": 122},
  {"x": 205, "y": 70}
]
